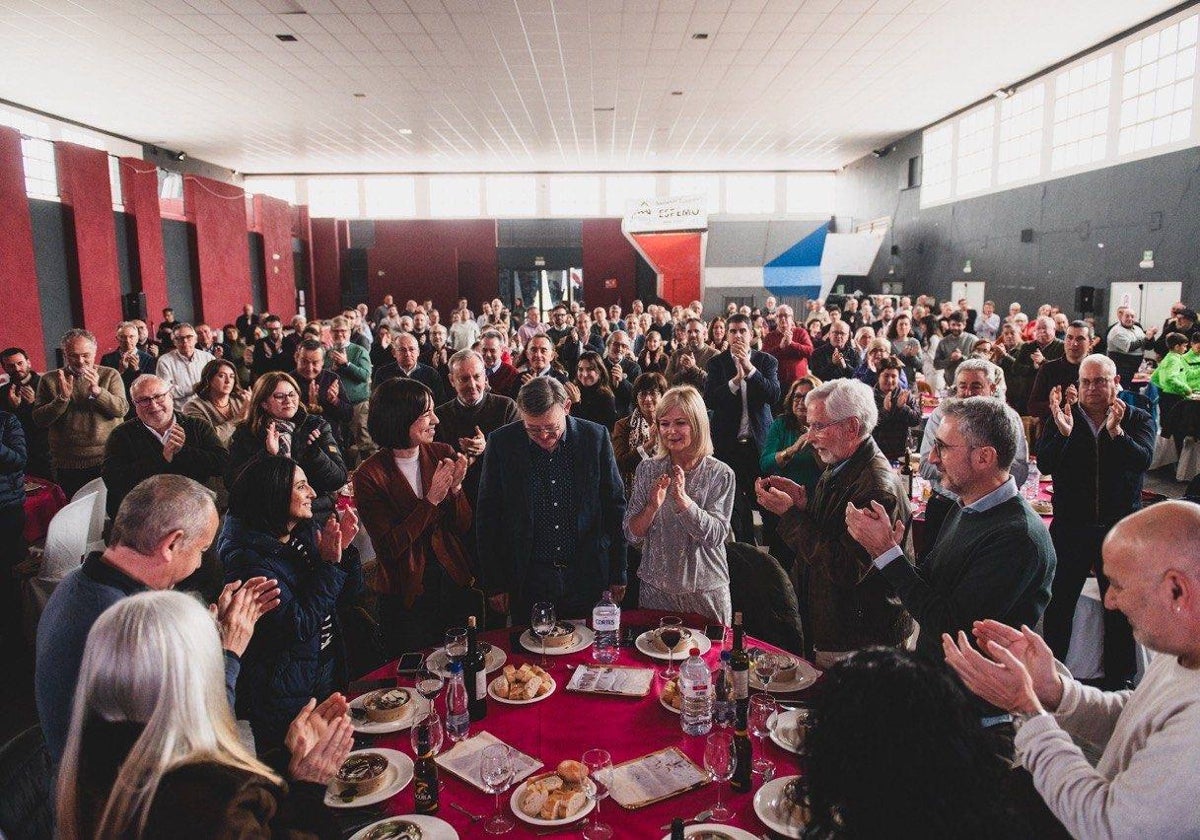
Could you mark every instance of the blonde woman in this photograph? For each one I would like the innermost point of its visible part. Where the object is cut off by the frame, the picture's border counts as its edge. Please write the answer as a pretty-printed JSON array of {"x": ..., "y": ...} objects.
[
  {"x": 679, "y": 514},
  {"x": 153, "y": 750}
]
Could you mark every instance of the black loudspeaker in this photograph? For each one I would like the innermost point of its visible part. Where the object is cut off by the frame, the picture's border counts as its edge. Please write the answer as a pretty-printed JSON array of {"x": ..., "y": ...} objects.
[
  {"x": 1085, "y": 299},
  {"x": 133, "y": 306},
  {"x": 1027, "y": 235}
]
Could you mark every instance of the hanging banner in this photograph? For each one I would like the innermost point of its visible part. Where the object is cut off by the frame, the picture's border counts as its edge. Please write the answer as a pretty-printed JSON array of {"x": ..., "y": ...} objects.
[{"x": 686, "y": 212}]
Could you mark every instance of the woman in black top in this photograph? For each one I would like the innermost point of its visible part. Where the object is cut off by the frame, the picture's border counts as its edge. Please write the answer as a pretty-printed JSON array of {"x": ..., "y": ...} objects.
[{"x": 596, "y": 400}]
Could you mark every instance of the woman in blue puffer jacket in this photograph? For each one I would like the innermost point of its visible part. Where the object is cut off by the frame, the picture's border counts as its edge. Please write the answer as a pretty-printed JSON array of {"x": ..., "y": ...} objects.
[{"x": 12, "y": 522}]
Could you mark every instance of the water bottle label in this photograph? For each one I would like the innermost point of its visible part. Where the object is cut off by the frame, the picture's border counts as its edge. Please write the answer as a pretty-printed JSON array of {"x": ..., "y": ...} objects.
[{"x": 606, "y": 623}]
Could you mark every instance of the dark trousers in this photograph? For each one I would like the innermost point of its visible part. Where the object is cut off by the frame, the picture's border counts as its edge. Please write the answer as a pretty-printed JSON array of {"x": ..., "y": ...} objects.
[
  {"x": 443, "y": 604},
  {"x": 71, "y": 480},
  {"x": 1077, "y": 548},
  {"x": 12, "y": 552},
  {"x": 742, "y": 458},
  {"x": 571, "y": 597}
]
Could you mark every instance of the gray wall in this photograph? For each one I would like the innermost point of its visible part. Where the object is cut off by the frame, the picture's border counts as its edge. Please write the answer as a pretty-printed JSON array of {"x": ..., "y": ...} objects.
[
  {"x": 49, "y": 222},
  {"x": 181, "y": 272},
  {"x": 1148, "y": 204}
]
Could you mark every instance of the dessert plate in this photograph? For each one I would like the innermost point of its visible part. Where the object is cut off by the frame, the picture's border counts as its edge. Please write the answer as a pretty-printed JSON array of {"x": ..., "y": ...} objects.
[{"x": 396, "y": 778}]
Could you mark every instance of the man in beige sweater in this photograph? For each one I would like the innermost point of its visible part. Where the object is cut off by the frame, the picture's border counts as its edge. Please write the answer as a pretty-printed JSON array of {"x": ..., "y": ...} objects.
[
  {"x": 80, "y": 404},
  {"x": 1144, "y": 783}
]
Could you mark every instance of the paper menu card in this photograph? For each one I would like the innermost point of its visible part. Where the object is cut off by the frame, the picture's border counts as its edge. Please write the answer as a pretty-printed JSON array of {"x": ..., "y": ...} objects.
[
  {"x": 610, "y": 679},
  {"x": 655, "y": 777},
  {"x": 465, "y": 758}
]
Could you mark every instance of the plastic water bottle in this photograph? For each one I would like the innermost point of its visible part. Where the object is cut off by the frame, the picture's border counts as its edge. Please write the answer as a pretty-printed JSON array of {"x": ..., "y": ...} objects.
[
  {"x": 1030, "y": 489},
  {"x": 695, "y": 685},
  {"x": 724, "y": 710},
  {"x": 606, "y": 621},
  {"x": 458, "y": 712}
]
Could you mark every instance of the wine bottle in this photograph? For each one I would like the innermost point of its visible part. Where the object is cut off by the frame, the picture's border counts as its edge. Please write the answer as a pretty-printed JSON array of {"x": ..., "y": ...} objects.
[
  {"x": 425, "y": 776},
  {"x": 677, "y": 829},
  {"x": 742, "y": 751},
  {"x": 907, "y": 472},
  {"x": 475, "y": 673},
  {"x": 739, "y": 662}
]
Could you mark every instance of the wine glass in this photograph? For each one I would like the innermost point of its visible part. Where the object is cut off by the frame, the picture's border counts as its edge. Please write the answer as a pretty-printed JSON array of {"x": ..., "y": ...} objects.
[
  {"x": 720, "y": 762},
  {"x": 599, "y": 765},
  {"x": 541, "y": 624},
  {"x": 765, "y": 666},
  {"x": 429, "y": 684},
  {"x": 762, "y": 707},
  {"x": 456, "y": 645},
  {"x": 496, "y": 773},
  {"x": 427, "y": 735},
  {"x": 670, "y": 633}
]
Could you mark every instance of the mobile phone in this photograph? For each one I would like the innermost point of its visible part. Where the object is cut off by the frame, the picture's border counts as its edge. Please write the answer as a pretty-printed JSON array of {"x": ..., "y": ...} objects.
[
  {"x": 715, "y": 632},
  {"x": 409, "y": 663}
]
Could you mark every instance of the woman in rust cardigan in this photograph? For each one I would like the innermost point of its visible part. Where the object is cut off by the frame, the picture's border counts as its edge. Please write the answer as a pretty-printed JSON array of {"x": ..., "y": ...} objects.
[{"x": 409, "y": 497}]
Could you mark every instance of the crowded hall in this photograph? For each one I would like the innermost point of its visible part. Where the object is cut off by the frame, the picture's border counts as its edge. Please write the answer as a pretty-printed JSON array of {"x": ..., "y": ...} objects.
[{"x": 713, "y": 419}]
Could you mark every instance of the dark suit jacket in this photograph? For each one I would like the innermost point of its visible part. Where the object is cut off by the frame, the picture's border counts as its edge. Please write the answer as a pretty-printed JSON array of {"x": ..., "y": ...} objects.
[
  {"x": 423, "y": 373},
  {"x": 146, "y": 364},
  {"x": 133, "y": 454},
  {"x": 762, "y": 392},
  {"x": 504, "y": 523}
]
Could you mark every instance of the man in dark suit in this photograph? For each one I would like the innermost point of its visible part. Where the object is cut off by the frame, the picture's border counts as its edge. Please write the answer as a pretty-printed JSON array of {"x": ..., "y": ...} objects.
[
  {"x": 406, "y": 352},
  {"x": 128, "y": 359},
  {"x": 742, "y": 386},
  {"x": 502, "y": 377},
  {"x": 551, "y": 504}
]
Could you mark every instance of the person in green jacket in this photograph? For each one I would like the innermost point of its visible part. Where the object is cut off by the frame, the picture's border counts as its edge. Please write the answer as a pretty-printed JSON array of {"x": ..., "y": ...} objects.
[
  {"x": 786, "y": 452},
  {"x": 352, "y": 364},
  {"x": 1191, "y": 363}
]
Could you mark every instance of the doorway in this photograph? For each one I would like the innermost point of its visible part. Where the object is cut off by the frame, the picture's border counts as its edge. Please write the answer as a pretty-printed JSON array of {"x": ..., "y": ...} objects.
[{"x": 540, "y": 287}]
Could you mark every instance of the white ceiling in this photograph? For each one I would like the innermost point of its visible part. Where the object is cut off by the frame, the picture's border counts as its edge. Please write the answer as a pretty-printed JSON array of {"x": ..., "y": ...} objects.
[{"x": 512, "y": 85}]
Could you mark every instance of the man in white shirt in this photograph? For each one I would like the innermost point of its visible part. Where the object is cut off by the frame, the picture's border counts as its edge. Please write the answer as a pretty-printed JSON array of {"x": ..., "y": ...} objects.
[
  {"x": 1126, "y": 342},
  {"x": 181, "y": 367},
  {"x": 987, "y": 325},
  {"x": 1144, "y": 783}
]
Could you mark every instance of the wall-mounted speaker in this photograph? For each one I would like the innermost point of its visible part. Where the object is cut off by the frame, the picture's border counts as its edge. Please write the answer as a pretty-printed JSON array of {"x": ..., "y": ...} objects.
[
  {"x": 1085, "y": 299},
  {"x": 133, "y": 306},
  {"x": 1027, "y": 235}
]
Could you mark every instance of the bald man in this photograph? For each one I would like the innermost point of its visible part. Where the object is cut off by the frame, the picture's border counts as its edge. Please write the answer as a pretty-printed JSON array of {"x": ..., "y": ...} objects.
[{"x": 1144, "y": 782}]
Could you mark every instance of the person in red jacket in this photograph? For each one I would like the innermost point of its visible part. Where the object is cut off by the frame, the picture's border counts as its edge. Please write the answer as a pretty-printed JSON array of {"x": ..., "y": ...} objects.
[{"x": 791, "y": 345}]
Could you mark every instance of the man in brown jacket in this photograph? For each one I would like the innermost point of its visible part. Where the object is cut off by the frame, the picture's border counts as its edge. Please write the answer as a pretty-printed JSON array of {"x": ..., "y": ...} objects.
[
  {"x": 80, "y": 404},
  {"x": 850, "y": 605}
]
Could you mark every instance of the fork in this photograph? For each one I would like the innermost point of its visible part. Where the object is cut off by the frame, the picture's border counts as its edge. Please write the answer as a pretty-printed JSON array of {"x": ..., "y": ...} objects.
[{"x": 473, "y": 817}]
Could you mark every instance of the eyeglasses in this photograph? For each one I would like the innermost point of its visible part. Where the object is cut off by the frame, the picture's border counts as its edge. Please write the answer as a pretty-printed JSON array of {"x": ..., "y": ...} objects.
[
  {"x": 153, "y": 398},
  {"x": 820, "y": 427},
  {"x": 287, "y": 396},
  {"x": 940, "y": 446},
  {"x": 186, "y": 337},
  {"x": 541, "y": 431}
]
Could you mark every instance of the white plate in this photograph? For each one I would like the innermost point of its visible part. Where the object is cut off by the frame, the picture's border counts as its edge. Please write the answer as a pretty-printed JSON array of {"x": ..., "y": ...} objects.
[
  {"x": 583, "y": 640},
  {"x": 538, "y": 699},
  {"x": 431, "y": 827},
  {"x": 438, "y": 662},
  {"x": 806, "y": 675},
  {"x": 397, "y": 777},
  {"x": 766, "y": 805},
  {"x": 698, "y": 639},
  {"x": 731, "y": 831},
  {"x": 786, "y": 721},
  {"x": 521, "y": 815},
  {"x": 667, "y": 705},
  {"x": 415, "y": 710}
]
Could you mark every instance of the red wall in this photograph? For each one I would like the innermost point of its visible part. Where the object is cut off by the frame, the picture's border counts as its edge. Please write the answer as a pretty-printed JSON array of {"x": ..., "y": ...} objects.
[
  {"x": 84, "y": 185},
  {"x": 438, "y": 259},
  {"x": 22, "y": 301},
  {"x": 275, "y": 223},
  {"x": 139, "y": 193},
  {"x": 607, "y": 255},
  {"x": 325, "y": 267},
  {"x": 676, "y": 257},
  {"x": 218, "y": 212}
]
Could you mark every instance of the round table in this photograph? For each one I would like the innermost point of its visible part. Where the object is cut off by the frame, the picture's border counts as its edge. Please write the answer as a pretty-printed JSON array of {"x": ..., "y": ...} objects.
[
  {"x": 568, "y": 723},
  {"x": 43, "y": 499}
]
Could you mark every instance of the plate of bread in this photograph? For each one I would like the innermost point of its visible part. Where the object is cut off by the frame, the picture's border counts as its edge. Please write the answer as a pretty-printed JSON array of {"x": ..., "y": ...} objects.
[
  {"x": 367, "y": 777},
  {"x": 650, "y": 644},
  {"x": 386, "y": 710},
  {"x": 670, "y": 698},
  {"x": 523, "y": 685},
  {"x": 554, "y": 798},
  {"x": 567, "y": 637}
]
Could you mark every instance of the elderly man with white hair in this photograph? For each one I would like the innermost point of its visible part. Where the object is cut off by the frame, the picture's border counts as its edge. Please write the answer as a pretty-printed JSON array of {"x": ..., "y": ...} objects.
[
  {"x": 1143, "y": 785},
  {"x": 1029, "y": 359},
  {"x": 1098, "y": 450},
  {"x": 850, "y": 604}
]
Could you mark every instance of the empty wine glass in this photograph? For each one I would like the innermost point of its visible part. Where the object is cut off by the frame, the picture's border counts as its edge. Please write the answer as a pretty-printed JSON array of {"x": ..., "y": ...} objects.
[
  {"x": 765, "y": 666},
  {"x": 670, "y": 633},
  {"x": 541, "y": 624},
  {"x": 599, "y": 765},
  {"x": 496, "y": 773},
  {"x": 720, "y": 761},
  {"x": 762, "y": 707},
  {"x": 456, "y": 645}
]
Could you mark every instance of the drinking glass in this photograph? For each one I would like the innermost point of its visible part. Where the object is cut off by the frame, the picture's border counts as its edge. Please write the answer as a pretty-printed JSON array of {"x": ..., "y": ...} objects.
[
  {"x": 428, "y": 729},
  {"x": 541, "y": 624},
  {"x": 762, "y": 707},
  {"x": 428, "y": 684},
  {"x": 599, "y": 765},
  {"x": 670, "y": 632},
  {"x": 456, "y": 645},
  {"x": 765, "y": 665},
  {"x": 720, "y": 762},
  {"x": 496, "y": 773}
]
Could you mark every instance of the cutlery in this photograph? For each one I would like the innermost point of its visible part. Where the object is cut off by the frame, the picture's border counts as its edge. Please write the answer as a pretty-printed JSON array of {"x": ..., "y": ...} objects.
[
  {"x": 474, "y": 817},
  {"x": 574, "y": 826},
  {"x": 703, "y": 816}
]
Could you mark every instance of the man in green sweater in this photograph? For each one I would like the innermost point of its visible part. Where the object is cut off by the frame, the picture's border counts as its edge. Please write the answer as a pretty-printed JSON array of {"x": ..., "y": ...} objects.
[
  {"x": 993, "y": 557},
  {"x": 352, "y": 364}
]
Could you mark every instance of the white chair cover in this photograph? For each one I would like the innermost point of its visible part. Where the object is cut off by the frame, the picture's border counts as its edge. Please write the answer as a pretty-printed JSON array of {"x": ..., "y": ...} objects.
[
  {"x": 1189, "y": 460},
  {"x": 66, "y": 543}
]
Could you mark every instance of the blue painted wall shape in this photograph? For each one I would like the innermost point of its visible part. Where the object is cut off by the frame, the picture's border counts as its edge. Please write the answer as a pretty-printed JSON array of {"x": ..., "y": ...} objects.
[{"x": 797, "y": 271}]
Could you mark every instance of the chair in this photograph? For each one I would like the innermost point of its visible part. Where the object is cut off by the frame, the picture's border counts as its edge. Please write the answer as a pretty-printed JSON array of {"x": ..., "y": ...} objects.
[
  {"x": 95, "y": 541},
  {"x": 26, "y": 783},
  {"x": 763, "y": 593},
  {"x": 66, "y": 543}
]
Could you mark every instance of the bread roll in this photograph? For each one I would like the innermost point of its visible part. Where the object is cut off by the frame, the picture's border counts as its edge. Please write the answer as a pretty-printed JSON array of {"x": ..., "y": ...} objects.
[{"x": 572, "y": 771}]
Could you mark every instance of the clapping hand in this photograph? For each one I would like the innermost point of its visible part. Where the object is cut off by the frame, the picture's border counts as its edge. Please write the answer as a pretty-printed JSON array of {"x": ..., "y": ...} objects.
[
  {"x": 887, "y": 401},
  {"x": 902, "y": 400},
  {"x": 677, "y": 488},
  {"x": 336, "y": 536},
  {"x": 91, "y": 375},
  {"x": 1005, "y": 680},
  {"x": 338, "y": 357},
  {"x": 658, "y": 491},
  {"x": 442, "y": 481},
  {"x": 319, "y": 739},
  {"x": 1064, "y": 420},
  {"x": 779, "y": 495},
  {"x": 474, "y": 445},
  {"x": 459, "y": 472},
  {"x": 334, "y": 390},
  {"x": 314, "y": 436},
  {"x": 239, "y": 606},
  {"x": 176, "y": 438},
  {"x": 872, "y": 528},
  {"x": 272, "y": 440},
  {"x": 1112, "y": 420},
  {"x": 1037, "y": 358}
]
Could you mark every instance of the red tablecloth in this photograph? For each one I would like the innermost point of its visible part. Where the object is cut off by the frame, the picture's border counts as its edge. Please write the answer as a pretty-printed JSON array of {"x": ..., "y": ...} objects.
[
  {"x": 43, "y": 499},
  {"x": 567, "y": 723}
]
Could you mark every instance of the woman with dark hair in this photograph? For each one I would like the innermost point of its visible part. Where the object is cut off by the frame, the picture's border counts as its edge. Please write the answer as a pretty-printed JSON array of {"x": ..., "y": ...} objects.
[
  {"x": 596, "y": 400},
  {"x": 218, "y": 399},
  {"x": 878, "y": 350},
  {"x": 297, "y": 651},
  {"x": 635, "y": 436},
  {"x": 906, "y": 347},
  {"x": 895, "y": 749},
  {"x": 278, "y": 425},
  {"x": 716, "y": 334},
  {"x": 410, "y": 496},
  {"x": 653, "y": 358},
  {"x": 787, "y": 452},
  {"x": 899, "y": 410}
]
